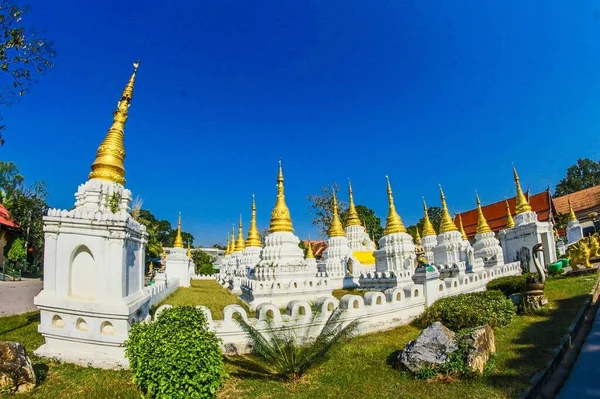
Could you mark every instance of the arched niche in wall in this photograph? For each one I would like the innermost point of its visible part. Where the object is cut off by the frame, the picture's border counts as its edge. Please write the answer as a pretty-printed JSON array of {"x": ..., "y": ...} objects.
[{"x": 82, "y": 274}]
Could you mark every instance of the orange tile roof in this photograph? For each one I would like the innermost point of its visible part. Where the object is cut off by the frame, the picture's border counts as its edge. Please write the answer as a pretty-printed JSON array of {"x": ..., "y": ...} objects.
[
  {"x": 583, "y": 202},
  {"x": 495, "y": 213},
  {"x": 5, "y": 219}
]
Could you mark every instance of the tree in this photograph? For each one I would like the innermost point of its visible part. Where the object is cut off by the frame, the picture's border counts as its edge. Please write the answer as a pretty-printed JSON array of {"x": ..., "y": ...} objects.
[
  {"x": 16, "y": 252},
  {"x": 24, "y": 54},
  {"x": 10, "y": 181},
  {"x": 321, "y": 207},
  {"x": 368, "y": 217},
  {"x": 219, "y": 246},
  {"x": 584, "y": 174},
  {"x": 435, "y": 216},
  {"x": 203, "y": 263}
]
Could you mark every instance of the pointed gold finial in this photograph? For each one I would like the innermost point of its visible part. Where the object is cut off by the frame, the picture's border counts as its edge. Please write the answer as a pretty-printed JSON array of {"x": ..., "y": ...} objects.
[
  {"x": 233, "y": 238},
  {"x": 428, "y": 229},
  {"x": 281, "y": 221},
  {"x": 463, "y": 235},
  {"x": 446, "y": 224},
  {"x": 510, "y": 222},
  {"x": 393, "y": 223},
  {"x": 189, "y": 251},
  {"x": 253, "y": 239},
  {"x": 228, "y": 249},
  {"x": 522, "y": 204},
  {"x": 110, "y": 156},
  {"x": 335, "y": 228},
  {"x": 178, "y": 240},
  {"x": 572, "y": 217},
  {"x": 482, "y": 224},
  {"x": 353, "y": 219},
  {"x": 309, "y": 250},
  {"x": 240, "y": 244},
  {"x": 418, "y": 236}
]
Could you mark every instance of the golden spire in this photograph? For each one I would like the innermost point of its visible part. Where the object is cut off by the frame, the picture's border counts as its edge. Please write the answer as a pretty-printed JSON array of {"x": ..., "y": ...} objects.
[
  {"x": 309, "y": 251},
  {"x": 335, "y": 229},
  {"x": 253, "y": 239},
  {"x": 393, "y": 223},
  {"x": 482, "y": 224},
  {"x": 447, "y": 224},
  {"x": 428, "y": 229},
  {"x": 240, "y": 244},
  {"x": 178, "y": 240},
  {"x": 110, "y": 156},
  {"x": 510, "y": 222},
  {"x": 461, "y": 228},
  {"x": 233, "y": 238},
  {"x": 572, "y": 217},
  {"x": 228, "y": 250},
  {"x": 189, "y": 251},
  {"x": 281, "y": 220},
  {"x": 353, "y": 219},
  {"x": 418, "y": 236},
  {"x": 522, "y": 204}
]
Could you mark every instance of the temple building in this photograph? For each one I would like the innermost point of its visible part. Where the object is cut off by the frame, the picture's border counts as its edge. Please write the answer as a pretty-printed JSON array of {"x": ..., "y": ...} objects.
[
  {"x": 178, "y": 263},
  {"x": 586, "y": 206}
]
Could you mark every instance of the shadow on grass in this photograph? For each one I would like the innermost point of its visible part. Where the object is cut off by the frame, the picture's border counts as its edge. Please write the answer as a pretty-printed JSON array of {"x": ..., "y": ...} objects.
[
  {"x": 41, "y": 372},
  {"x": 248, "y": 368},
  {"x": 31, "y": 318}
]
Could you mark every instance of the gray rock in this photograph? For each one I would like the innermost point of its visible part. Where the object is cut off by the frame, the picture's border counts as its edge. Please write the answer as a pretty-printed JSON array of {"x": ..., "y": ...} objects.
[
  {"x": 480, "y": 345},
  {"x": 16, "y": 370},
  {"x": 430, "y": 349}
]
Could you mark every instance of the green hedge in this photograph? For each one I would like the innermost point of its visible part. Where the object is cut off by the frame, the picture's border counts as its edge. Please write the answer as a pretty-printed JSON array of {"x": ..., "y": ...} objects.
[
  {"x": 508, "y": 285},
  {"x": 176, "y": 356},
  {"x": 470, "y": 310}
]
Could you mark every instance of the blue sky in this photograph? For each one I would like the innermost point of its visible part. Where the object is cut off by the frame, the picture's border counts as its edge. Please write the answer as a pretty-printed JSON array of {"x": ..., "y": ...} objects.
[{"x": 426, "y": 91}]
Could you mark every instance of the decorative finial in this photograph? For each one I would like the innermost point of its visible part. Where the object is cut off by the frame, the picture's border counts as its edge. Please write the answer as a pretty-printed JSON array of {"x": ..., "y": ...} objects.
[
  {"x": 463, "y": 235},
  {"x": 522, "y": 204},
  {"x": 428, "y": 229},
  {"x": 228, "y": 249},
  {"x": 353, "y": 219},
  {"x": 335, "y": 228},
  {"x": 281, "y": 220},
  {"x": 253, "y": 239},
  {"x": 417, "y": 236},
  {"x": 572, "y": 217},
  {"x": 240, "y": 244},
  {"x": 178, "y": 240},
  {"x": 393, "y": 223},
  {"x": 110, "y": 156},
  {"x": 233, "y": 238},
  {"x": 482, "y": 224},
  {"x": 189, "y": 251},
  {"x": 309, "y": 251},
  {"x": 510, "y": 222},
  {"x": 446, "y": 224}
]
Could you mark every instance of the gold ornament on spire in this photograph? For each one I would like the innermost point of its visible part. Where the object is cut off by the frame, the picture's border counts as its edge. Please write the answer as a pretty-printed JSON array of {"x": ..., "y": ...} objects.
[
  {"x": 240, "y": 244},
  {"x": 428, "y": 229},
  {"x": 178, "y": 240},
  {"x": 393, "y": 223},
  {"x": 233, "y": 238},
  {"x": 309, "y": 250},
  {"x": 446, "y": 224},
  {"x": 253, "y": 239},
  {"x": 110, "y": 156},
  {"x": 281, "y": 220},
  {"x": 417, "y": 236},
  {"x": 482, "y": 224},
  {"x": 228, "y": 250},
  {"x": 510, "y": 222},
  {"x": 336, "y": 229},
  {"x": 463, "y": 235},
  {"x": 353, "y": 219},
  {"x": 572, "y": 217},
  {"x": 522, "y": 204},
  {"x": 189, "y": 251}
]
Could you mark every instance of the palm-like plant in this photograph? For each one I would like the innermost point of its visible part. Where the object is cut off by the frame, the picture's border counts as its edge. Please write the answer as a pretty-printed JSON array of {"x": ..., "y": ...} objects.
[{"x": 289, "y": 355}]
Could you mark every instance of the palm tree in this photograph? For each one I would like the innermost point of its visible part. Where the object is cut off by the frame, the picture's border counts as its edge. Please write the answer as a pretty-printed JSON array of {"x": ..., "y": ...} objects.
[{"x": 289, "y": 355}]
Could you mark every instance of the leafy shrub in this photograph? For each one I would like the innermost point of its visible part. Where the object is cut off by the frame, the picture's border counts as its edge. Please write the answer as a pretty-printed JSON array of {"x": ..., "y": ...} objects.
[
  {"x": 470, "y": 310},
  {"x": 177, "y": 356},
  {"x": 508, "y": 285}
]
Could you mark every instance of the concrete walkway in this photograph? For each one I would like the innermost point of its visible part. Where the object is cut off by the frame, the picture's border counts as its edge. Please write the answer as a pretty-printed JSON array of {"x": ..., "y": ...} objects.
[
  {"x": 584, "y": 379},
  {"x": 17, "y": 296}
]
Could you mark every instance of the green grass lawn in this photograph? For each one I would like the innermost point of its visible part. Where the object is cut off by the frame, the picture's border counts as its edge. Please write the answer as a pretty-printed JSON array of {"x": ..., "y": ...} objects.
[{"x": 356, "y": 370}]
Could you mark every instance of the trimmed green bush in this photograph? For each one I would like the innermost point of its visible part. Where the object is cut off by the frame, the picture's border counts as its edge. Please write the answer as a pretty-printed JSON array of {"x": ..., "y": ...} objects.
[
  {"x": 470, "y": 310},
  {"x": 177, "y": 356},
  {"x": 508, "y": 285}
]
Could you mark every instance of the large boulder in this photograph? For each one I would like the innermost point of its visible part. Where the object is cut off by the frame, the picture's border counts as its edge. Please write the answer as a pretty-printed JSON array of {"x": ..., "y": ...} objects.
[
  {"x": 16, "y": 370},
  {"x": 430, "y": 349},
  {"x": 479, "y": 345}
]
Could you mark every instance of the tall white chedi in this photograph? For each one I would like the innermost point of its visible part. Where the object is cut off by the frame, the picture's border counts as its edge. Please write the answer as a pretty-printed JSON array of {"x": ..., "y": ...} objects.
[
  {"x": 178, "y": 262},
  {"x": 94, "y": 262},
  {"x": 574, "y": 229},
  {"x": 429, "y": 236},
  {"x": 337, "y": 256},
  {"x": 448, "y": 251},
  {"x": 358, "y": 238},
  {"x": 253, "y": 248},
  {"x": 486, "y": 246},
  {"x": 396, "y": 251}
]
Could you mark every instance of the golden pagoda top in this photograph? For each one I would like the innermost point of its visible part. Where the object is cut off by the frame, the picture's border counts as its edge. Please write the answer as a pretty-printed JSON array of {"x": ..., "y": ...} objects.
[
  {"x": 240, "y": 244},
  {"x": 281, "y": 221},
  {"x": 522, "y": 204},
  {"x": 353, "y": 219},
  {"x": 189, "y": 251},
  {"x": 418, "y": 236},
  {"x": 228, "y": 249},
  {"x": 572, "y": 217},
  {"x": 335, "y": 228},
  {"x": 446, "y": 224},
  {"x": 463, "y": 235},
  {"x": 110, "y": 156},
  {"x": 233, "y": 249},
  {"x": 178, "y": 240},
  {"x": 428, "y": 229},
  {"x": 482, "y": 224},
  {"x": 253, "y": 239},
  {"x": 309, "y": 251},
  {"x": 510, "y": 222},
  {"x": 393, "y": 223}
]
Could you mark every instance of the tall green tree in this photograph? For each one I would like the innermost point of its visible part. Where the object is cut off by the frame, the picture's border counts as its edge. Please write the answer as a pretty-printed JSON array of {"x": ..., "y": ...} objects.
[
  {"x": 203, "y": 262},
  {"x": 25, "y": 54},
  {"x": 584, "y": 174},
  {"x": 10, "y": 181},
  {"x": 435, "y": 216},
  {"x": 321, "y": 207}
]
